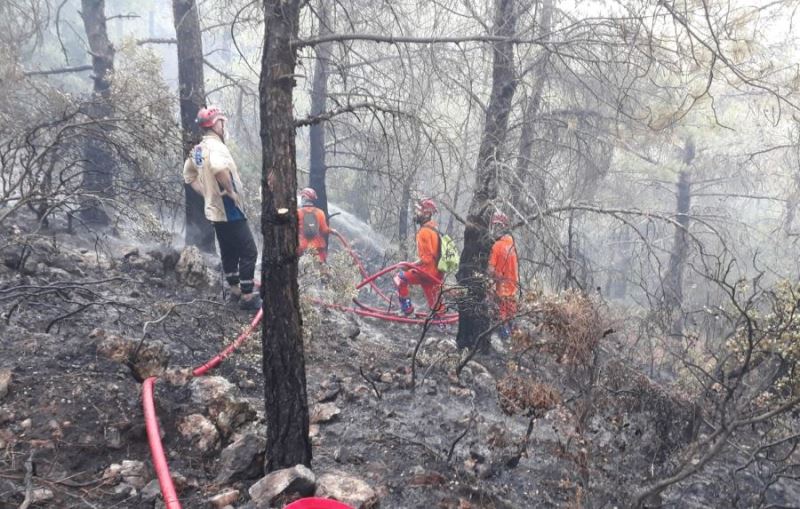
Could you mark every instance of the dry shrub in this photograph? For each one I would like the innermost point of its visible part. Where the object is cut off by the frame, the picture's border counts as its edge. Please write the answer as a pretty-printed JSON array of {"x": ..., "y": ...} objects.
[
  {"x": 519, "y": 395},
  {"x": 575, "y": 326}
]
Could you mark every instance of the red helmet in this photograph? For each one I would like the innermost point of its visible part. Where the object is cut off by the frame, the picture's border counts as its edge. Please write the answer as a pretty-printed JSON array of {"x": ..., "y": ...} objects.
[
  {"x": 308, "y": 194},
  {"x": 426, "y": 206},
  {"x": 207, "y": 116},
  {"x": 499, "y": 218}
]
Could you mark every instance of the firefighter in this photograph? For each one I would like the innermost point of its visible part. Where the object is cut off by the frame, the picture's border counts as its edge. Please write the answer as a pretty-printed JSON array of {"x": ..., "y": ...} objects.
[
  {"x": 212, "y": 173},
  {"x": 312, "y": 226},
  {"x": 425, "y": 272},
  {"x": 504, "y": 270}
]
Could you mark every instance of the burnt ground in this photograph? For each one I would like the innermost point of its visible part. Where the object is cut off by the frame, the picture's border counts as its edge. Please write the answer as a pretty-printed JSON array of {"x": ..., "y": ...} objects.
[{"x": 71, "y": 412}]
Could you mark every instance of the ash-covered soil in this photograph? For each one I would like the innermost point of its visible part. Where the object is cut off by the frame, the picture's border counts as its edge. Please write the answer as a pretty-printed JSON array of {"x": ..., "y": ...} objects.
[{"x": 72, "y": 429}]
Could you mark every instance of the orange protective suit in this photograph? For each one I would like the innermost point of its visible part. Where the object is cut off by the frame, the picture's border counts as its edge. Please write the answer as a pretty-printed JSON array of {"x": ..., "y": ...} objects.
[
  {"x": 504, "y": 268},
  {"x": 317, "y": 242},
  {"x": 426, "y": 274}
]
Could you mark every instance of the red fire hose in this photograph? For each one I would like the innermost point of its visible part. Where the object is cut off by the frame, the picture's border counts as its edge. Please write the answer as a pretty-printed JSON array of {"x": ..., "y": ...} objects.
[
  {"x": 151, "y": 419},
  {"x": 156, "y": 449},
  {"x": 160, "y": 464}
]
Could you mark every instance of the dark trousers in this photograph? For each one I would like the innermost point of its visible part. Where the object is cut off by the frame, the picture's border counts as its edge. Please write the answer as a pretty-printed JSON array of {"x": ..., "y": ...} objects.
[{"x": 238, "y": 252}]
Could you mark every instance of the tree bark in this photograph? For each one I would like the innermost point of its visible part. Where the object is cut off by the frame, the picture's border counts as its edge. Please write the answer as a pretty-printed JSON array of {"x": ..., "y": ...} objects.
[
  {"x": 282, "y": 340},
  {"x": 532, "y": 106},
  {"x": 473, "y": 313},
  {"x": 673, "y": 280},
  {"x": 191, "y": 88},
  {"x": 98, "y": 176},
  {"x": 319, "y": 96}
]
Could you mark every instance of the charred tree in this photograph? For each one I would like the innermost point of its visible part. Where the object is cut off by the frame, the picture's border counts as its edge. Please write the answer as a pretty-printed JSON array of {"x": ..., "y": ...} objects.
[
  {"x": 673, "y": 279},
  {"x": 319, "y": 96},
  {"x": 191, "y": 87},
  {"x": 285, "y": 394},
  {"x": 473, "y": 314},
  {"x": 98, "y": 176}
]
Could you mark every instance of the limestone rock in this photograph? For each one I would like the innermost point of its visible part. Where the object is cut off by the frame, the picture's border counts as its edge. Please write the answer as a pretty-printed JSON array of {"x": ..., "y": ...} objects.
[
  {"x": 324, "y": 412},
  {"x": 242, "y": 459},
  {"x": 347, "y": 489},
  {"x": 150, "y": 492},
  {"x": 224, "y": 499},
  {"x": 201, "y": 431},
  {"x": 5, "y": 381},
  {"x": 151, "y": 360},
  {"x": 132, "y": 473},
  {"x": 191, "y": 268},
  {"x": 297, "y": 480},
  {"x": 228, "y": 410}
]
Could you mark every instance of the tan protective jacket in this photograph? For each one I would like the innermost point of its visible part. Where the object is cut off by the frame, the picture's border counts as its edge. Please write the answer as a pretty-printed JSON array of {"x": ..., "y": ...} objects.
[{"x": 207, "y": 159}]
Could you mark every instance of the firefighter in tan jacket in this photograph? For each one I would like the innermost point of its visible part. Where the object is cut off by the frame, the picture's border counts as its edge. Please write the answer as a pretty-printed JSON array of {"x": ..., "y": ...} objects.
[{"x": 211, "y": 172}]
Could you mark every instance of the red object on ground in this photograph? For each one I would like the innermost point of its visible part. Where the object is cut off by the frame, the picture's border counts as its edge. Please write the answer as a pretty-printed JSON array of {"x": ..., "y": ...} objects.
[
  {"x": 317, "y": 503},
  {"x": 217, "y": 359},
  {"x": 156, "y": 449},
  {"x": 160, "y": 464}
]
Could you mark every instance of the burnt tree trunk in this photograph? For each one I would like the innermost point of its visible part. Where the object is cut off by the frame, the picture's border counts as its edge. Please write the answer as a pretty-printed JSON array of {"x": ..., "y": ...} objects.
[
  {"x": 319, "y": 96},
  {"x": 98, "y": 176},
  {"x": 673, "y": 280},
  {"x": 473, "y": 313},
  {"x": 191, "y": 87},
  {"x": 532, "y": 107},
  {"x": 284, "y": 368}
]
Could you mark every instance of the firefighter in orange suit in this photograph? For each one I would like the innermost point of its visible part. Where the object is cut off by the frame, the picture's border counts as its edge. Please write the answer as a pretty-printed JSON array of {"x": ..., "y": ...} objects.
[
  {"x": 312, "y": 226},
  {"x": 425, "y": 273},
  {"x": 504, "y": 269}
]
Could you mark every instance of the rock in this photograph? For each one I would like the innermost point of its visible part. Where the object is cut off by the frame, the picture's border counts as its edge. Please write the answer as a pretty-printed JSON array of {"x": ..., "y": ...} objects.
[
  {"x": 297, "y": 480},
  {"x": 178, "y": 376},
  {"x": 134, "y": 473},
  {"x": 224, "y": 499},
  {"x": 347, "y": 489},
  {"x": 351, "y": 331},
  {"x": 221, "y": 398},
  {"x": 112, "y": 472},
  {"x": 201, "y": 431},
  {"x": 41, "y": 495},
  {"x": 57, "y": 273},
  {"x": 5, "y": 381},
  {"x": 113, "y": 437},
  {"x": 461, "y": 392},
  {"x": 191, "y": 268},
  {"x": 151, "y": 360},
  {"x": 150, "y": 492},
  {"x": 6, "y": 415},
  {"x": 324, "y": 412},
  {"x": 243, "y": 459},
  {"x": 130, "y": 252},
  {"x": 422, "y": 477}
]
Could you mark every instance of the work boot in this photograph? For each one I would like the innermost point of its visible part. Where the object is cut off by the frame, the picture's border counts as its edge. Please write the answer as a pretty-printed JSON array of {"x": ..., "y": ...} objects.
[
  {"x": 233, "y": 298},
  {"x": 406, "y": 306},
  {"x": 251, "y": 304}
]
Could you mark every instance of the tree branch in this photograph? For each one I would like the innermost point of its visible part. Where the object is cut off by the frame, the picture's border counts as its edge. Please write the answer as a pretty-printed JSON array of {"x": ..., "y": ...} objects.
[{"x": 61, "y": 70}]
